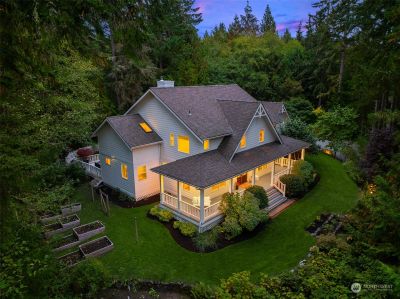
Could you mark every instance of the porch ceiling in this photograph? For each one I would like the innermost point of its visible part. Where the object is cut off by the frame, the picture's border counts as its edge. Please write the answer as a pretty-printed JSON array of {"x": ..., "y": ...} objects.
[{"x": 209, "y": 168}]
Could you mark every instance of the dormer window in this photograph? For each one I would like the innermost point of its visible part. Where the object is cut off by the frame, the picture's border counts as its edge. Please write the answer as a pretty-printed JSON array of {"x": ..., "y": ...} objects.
[
  {"x": 206, "y": 144},
  {"x": 261, "y": 136},
  {"x": 145, "y": 127},
  {"x": 243, "y": 141}
]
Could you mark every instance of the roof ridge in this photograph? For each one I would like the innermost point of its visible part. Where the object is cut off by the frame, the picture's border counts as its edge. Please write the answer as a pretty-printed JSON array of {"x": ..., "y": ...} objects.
[
  {"x": 196, "y": 86},
  {"x": 226, "y": 100}
]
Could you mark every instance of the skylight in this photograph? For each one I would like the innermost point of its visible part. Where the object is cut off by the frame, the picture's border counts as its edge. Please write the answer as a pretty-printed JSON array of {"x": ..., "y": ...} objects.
[{"x": 145, "y": 127}]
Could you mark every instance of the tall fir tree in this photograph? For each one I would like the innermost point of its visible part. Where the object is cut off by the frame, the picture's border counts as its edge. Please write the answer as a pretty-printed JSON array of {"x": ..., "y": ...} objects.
[
  {"x": 299, "y": 32},
  {"x": 249, "y": 22},
  {"x": 286, "y": 36},
  {"x": 235, "y": 28},
  {"x": 268, "y": 23}
]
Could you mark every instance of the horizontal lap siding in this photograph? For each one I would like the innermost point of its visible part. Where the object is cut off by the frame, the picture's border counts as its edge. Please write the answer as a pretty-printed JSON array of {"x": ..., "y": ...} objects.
[
  {"x": 110, "y": 145},
  {"x": 252, "y": 134}
]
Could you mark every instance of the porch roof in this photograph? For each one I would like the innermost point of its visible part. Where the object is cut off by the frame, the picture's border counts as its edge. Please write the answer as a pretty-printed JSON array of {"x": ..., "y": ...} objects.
[{"x": 206, "y": 169}]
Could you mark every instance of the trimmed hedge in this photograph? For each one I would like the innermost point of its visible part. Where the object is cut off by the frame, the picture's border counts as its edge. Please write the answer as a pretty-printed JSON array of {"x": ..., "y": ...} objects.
[
  {"x": 161, "y": 214},
  {"x": 186, "y": 228},
  {"x": 259, "y": 193},
  {"x": 295, "y": 186},
  {"x": 304, "y": 170}
]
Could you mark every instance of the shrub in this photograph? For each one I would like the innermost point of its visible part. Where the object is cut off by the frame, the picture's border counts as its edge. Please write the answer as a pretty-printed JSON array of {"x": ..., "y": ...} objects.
[
  {"x": 260, "y": 193},
  {"x": 207, "y": 240},
  {"x": 296, "y": 128},
  {"x": 186, "y": 228},
  {"x": 294, "y": 185},
  {"x": 124, "y": 197},
  {"x": 162, "y": 215},
  {"x": 202, "y": 291},
  {"x": 241, "y": 212},
  {"x": 305, "y": 171}
]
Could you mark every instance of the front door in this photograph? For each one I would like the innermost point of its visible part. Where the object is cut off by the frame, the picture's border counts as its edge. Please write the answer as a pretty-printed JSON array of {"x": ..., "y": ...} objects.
[{"x": 242, "y": 179}]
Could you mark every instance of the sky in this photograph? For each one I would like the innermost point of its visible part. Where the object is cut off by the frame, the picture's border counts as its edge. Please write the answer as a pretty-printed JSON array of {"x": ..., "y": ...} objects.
[{"x": 287, "y": 13}]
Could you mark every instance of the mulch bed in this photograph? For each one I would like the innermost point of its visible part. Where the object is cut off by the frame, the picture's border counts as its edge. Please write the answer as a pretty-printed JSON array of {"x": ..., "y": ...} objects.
[
  {"x": 53, "y": 226},
  {"x": 69, "y": 219},
  {"x": 88, "y": 227},
  {"x": 188, "y": 244},
  {"x": 94, "y": 246},
  {"x": 72, "y": 258}
]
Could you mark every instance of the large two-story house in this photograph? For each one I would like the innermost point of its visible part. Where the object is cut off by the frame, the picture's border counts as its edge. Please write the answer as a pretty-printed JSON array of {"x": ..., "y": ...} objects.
[{"x": 192, "y": 144}]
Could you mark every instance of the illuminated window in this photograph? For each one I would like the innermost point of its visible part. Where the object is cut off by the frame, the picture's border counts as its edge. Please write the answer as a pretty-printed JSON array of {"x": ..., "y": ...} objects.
[
  {"x": 171, "y": 139},
  {"x": 243, "y": 142},
  {"x": 218, "y": 186},
  {"x": 142, "y": 173},
  {"x": 206, "y": 144},
  {"x": 261, "y": 137},
  {"x": 186, "y": 187},
  {"x": 145, "y": 127},
  {"x": 108, "y": 160},
  {"x": 183, "y": 144},
  {"x": 262, "y": 167},
  {"x": 124, "y": 171}
]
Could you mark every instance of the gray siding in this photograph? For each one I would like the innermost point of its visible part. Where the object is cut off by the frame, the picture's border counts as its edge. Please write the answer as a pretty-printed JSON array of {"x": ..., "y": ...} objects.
[
  {"x": 110, "y": 145},
  {"x": 164, "y": 123},
  {"x": 252, "y": 133}
]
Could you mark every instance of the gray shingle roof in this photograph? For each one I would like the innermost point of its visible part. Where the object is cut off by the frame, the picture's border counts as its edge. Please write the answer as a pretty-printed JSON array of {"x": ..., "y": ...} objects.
[
  {"x": 198, "y": 108},
  {"x": 209, "y": 168},
  {"x": 274, "y": 110},
  {"x": 127, "y": 127}
]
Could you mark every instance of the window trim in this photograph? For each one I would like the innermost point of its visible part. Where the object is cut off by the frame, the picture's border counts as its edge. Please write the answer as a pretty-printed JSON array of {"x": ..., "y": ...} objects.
[
  {"x": 185, "y": 137},
  {"x": 124, "y": 175},
  {"x": 139, "y": 174}
]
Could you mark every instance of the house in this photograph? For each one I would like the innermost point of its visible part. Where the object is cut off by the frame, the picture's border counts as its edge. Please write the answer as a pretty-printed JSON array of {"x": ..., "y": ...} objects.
[{"x": 193, "y": 144}]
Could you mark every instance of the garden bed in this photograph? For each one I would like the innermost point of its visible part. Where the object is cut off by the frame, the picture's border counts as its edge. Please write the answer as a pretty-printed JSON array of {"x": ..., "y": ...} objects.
[
  {"x": 86, "y": 231},
  {"x": 222, "y": 242},
  {"x": 61, "y": 225},
  {"x": 71, "y": 208},
  {"x": 66, "y": 242},
  {"x": 96, "y": 247},
  {"x": 70, "y": 221},
  {"x": 49, "y": 217},
  {"x": 325, "y": 223},
  {"x": 71, "y": 259}
]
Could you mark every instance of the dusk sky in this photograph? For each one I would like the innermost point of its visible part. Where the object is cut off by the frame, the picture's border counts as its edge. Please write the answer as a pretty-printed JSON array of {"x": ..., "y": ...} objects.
[{"x": 287, "y": 13}]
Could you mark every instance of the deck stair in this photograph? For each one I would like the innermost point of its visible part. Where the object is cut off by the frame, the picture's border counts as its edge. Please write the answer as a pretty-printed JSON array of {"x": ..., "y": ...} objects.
[{"x": 275, "y": 198}]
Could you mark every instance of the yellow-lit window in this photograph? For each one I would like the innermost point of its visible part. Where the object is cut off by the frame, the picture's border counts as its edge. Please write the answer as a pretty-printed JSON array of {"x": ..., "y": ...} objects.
[
  {"x": 206, "y": 144},
  {"x": 261, "y": 137},
  {"x": 145, "y": 127},
  {"x": 142, "y": 172},
  {"x": 171, "y": 139},
  {"x": 186, "y": 187},
  {"x": 243, "y": 142},
  {"x": 124, "y": 171},
  {"x": 183, "y": 144},
  {"x": 218, "y": 186},
  {"x": 108, "y": 160}
]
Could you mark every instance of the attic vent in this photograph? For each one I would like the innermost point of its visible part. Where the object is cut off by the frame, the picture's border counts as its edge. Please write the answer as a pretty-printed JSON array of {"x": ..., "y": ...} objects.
[
  {"x": 283, "y": 109},
  {"x": 165, "y": 83},
  {"x": 189, "y": 112}
]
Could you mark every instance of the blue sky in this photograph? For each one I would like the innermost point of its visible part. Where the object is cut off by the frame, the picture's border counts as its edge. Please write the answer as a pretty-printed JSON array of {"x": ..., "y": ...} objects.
[{"x": 287, "y": 13}]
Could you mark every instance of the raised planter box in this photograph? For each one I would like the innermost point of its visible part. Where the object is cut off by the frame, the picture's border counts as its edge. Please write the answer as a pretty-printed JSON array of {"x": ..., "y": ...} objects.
[
  {"x": 67, "y": 242},
  {"x": 71, "y": 208},
  {"x": 70, "y": 221},
  {"x": 96, "y": 247},
  {"x": 49, "y": 218},
  {"x": 72, "y": 258},
  {"x": 86, "y": 231}
]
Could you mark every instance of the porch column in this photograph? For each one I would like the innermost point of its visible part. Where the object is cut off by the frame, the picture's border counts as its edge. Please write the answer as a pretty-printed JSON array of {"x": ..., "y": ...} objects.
[
  {"x": 272, "y": 173},
  {"x": 253, "y": 179},
  {"x": 303, "y": 152},
  {"x": 290, "y": 162},
  {"x": 161, "y": 188},
  {"x": 230, "y": 186},
  {"x": 178, "y": 188},
  {"x": 201, "y": 206}
]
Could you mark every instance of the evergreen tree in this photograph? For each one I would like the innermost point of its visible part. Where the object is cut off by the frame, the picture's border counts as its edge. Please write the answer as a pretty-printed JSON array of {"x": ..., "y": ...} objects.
[
  {"x": 235, "y": 28},
  {"x": 206, "y": 35},
  {"x": 249, "y": 22},
  {"x": 286, "y": 36},
  {"x": 299, "y": 32},
  {"x": 268, "y": 22},
  {"x": 219, "y": 31}
]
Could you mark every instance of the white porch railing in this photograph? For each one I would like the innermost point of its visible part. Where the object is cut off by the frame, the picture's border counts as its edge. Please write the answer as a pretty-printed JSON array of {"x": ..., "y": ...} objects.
[
  {"x": 282, "y": 172},
  {"x": 93, "y": 158},
  {"x": 212, "y": 210},
  {"x": 190, "y": 210},
  {"x": 280, "y": 186},
  {"x": 169, "y": 200},
  {"x": 282, "y": 161},
  {"x": 90, "y": 169}
]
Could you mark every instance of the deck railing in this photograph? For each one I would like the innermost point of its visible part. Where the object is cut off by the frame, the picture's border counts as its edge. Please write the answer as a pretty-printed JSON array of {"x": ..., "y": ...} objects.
[
  {"x": 93, "y": 158},
  {"x": 282, "y": 161},
  {"x": 280, "y": 186},
  {"x": 90, "y": 169},
  {"x": 190, "y": 210},
  {"x": 212, "y": 210},
  {"x": 169, "y": 200}
]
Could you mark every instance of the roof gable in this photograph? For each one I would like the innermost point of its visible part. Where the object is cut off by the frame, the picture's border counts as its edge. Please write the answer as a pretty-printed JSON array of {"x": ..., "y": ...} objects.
[{"x": 276, "y": 111}]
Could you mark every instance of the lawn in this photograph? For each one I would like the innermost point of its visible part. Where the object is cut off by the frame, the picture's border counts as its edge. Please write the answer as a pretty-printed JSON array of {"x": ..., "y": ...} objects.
[{"x": 279, "y": 248}]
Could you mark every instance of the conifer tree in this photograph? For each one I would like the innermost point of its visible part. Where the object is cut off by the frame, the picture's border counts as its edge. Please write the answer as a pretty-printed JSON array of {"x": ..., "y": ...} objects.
[
  {"x": 249, "y": 22},
  {"x": 299, "y": 32},
  {"x": 268, "y": 23},
  {"x": 235, "y": 28},
  {"x": 286, "y": 36}
]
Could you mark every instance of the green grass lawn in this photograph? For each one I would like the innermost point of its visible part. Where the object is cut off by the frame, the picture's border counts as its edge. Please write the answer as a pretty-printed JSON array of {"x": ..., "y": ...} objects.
[{"x": 279, "y": 248}]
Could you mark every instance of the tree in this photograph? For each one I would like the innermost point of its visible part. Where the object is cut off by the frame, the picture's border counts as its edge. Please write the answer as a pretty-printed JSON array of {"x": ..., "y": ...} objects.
[
  {"x": 298, "y": 129},
  {"x": 286, "y": 36},
  {"x": 219, "y": 32},
  {"x": 300, "y": 108},
  {"x": 299, "y": 33},
  {"x": 338, "y": 126},
  {"x": 268, "y": 22},
  {"x": 235, "y": 28},
  {"x": 248, "y": 21}
]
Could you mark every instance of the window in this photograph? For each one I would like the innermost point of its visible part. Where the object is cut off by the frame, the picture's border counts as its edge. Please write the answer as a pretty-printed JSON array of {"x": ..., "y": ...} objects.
[
  {"x": 183, "y": 144},
  {"x": 186, "y": 187},
  {"x": 243, "y": 142},
  {"x": 142, "y": 172},
  {"x": 108, "y": 160},
  {"x": 261, "y": 137},
  {"x": 206, "y": 144},
  {"x": 124, "y": 171},
  {"x": 145, "y": 127},
  {"x": 218, "y": 186},
  {"x": 262, "y": 167},
  {"x": 171, "y": 139}
]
